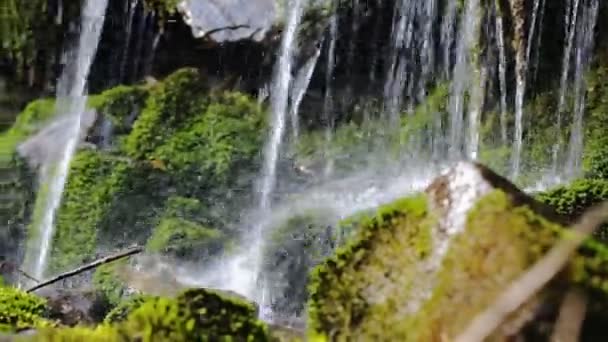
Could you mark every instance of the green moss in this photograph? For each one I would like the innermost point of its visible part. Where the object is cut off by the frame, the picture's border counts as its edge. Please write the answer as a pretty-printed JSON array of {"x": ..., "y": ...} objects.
[
  {"x": 96, "y": 179},
  {"x": 28, "y": 122},
  {"x": 183, "y": 239},
  {"x": 351, "y": 292},
  {"x": 502, "y": 239},
  {"x": 119, "y": 104},
  {"x": 218, "y": 143},
  {"x": 170, "y": 104},
  {"x": 596, "y": 142},
  {"x": 107, "y": 281},
  {"x": 20, "y": 310},
  {"x": 574, "y": 199},
  {"x": 122, "y": 310}
]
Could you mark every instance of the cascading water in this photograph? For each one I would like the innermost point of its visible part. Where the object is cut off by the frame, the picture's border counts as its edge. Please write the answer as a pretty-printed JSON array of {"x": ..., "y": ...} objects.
[
  {"x": 71, "y": 88},
  {"x": 467, "y": 41},
  {"x": 570, "y": 20},
  {"x": 279, "y": 103},
  {"x": 328, "y": 104},
  {"x": 502, "y": 71},
  {"x": 131, "y": 8},
  {"x": 299, "y": 87},
  {"x": 521, "y": 69},
  {"x": 583, "y": 50}
]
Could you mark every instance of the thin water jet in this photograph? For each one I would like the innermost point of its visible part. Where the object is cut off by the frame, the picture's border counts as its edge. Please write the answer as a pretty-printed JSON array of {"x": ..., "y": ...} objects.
[{"x": 71, "y": 89}]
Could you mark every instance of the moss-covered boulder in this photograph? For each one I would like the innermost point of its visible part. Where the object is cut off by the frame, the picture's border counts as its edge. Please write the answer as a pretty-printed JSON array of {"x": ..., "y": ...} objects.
[
  {"x": 421, "y": 268},
  {"x": 194, "y": 315}
]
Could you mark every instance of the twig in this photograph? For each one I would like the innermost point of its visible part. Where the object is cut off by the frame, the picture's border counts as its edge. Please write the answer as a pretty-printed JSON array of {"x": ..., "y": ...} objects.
[
  {"x": 226, "y": 28},
  {"x": 535, "y": 278},
  {"x": 571, "y": 317},
  {"x": 87, "y": 267},
  {"x": 23, "y": 273}
]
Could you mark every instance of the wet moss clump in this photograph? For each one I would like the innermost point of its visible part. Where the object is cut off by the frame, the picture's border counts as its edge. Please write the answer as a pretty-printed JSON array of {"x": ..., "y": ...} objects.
[
  {"x": 352, "y": 292},
  {"x": 195, "y": 315},
  {"x": 181, "y": 232},
  {"x": 20, "y": 310},
  {"x": 574, "y": 199}
]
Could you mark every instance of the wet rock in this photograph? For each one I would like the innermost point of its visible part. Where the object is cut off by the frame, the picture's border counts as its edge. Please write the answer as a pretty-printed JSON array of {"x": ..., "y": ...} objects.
[
  {"x": 75, "y": 307},
  {"x": 423, "y": 267},
  {"x": 229, "y": 20}
]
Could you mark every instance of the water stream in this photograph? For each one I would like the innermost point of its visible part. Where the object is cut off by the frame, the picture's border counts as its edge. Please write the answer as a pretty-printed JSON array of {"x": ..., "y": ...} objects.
[{"x": 71, "y": 94}]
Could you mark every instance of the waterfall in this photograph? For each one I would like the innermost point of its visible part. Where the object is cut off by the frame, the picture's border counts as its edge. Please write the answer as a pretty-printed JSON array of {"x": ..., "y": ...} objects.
[
  {"x": 502, "y": 72},
  {"x": 299, "y": 87},
  {"x": 279, "y": 107},
  {"x": 539, "y": 38},
  {"x": 583, "y": 51},
  {"x": 521, "y": 69},
  {"x": 447, "y": 35},
  {"x": 570, "y": 24},
  {"x": 398, "y": 72},
  {"x": 125, "y": 52},
  {"x": 71, "y": 88},
  {"x": 466, "y": 42},
  {"x": 328, "y": 102}
]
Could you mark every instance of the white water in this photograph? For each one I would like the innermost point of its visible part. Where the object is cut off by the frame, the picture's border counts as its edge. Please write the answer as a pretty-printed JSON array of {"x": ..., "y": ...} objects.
[
  {"x": 71, "y": 87},
  {"x": 584, "y": 48},
  {"x": 328, "y": 102},
  {"x": 570, "y": 20},
  {"x": 502, "y": 74},
  {"x": 468, "y": 38},
  {"x": 243, "y": 271},
  {"x": 298, "y": 90},
  {"x": 448, "y": 36},
  {"x": 398, "y": 72},
  {"x": 131, "y": 8}
]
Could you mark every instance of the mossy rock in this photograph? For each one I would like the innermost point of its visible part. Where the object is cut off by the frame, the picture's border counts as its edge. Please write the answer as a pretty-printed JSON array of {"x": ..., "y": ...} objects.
[
  {"x": 195, "y": 315},
  {"x": 423, "y": 267},
  {"x": 121, "y": 105},
  {"x": 296, "y": 245},
  {"x": 126, "y": 306},
  {"x": 20, "y": 310},
  {"x": 574, "y": 199}
]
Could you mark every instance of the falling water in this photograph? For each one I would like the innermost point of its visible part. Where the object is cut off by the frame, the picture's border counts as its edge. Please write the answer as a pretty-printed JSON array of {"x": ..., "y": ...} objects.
[
  {"x": 584, "y": 48},
  {"x": 466, "y": 43},
  {"x": 502, "y": 72},
  {"x": 279, "y": 106},
  {"x": 142, "y": 28},
  {"x": 521, "y": 71},
  {"x": 328, "y": 104},
  {"x": 570, "y": 20},
  {"x": 71, "y": 87},
  {"x": 448, "y": 36},
  {"x": 125, "y": 52},
  {"x": 539, "y": 38},
  {"x": 298, "y": 89},
  {"x": 398, "y": 73}
]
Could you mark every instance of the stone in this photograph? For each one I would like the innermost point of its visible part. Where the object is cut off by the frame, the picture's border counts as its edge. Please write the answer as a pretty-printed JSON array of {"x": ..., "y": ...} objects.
[{"x": 230, "y": 20}]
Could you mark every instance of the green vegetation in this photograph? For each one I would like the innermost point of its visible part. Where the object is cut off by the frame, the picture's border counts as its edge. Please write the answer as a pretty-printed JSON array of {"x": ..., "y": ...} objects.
[
  {"x": 19, "y": 310},
  {"x": 353, "y": 292},
  {"x": 195, "y": 315}
]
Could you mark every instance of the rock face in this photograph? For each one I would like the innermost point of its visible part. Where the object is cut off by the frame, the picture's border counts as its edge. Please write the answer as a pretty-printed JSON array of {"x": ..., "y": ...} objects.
[
  {"x": 229, "y": 20},
  {"x": 423, "y": 267}
]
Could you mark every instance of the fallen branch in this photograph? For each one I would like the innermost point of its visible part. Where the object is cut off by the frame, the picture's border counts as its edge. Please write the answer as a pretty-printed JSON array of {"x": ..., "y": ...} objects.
[
  {"x": 571, "y": 316},
  {"x": 535, "y": 278},
  {"x": 23, "y": 273},
  {"x": 87, "y": 267}
]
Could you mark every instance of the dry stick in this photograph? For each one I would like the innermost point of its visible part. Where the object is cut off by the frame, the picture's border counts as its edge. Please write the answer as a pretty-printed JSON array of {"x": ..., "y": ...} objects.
[
  {"x": 87, "y": 267},
  {"x": 534, "y": 279},
  {"x": 226, "y": 28},
  {"x": 23, "y": 273},
  {"x": 571, "y": 316}
]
